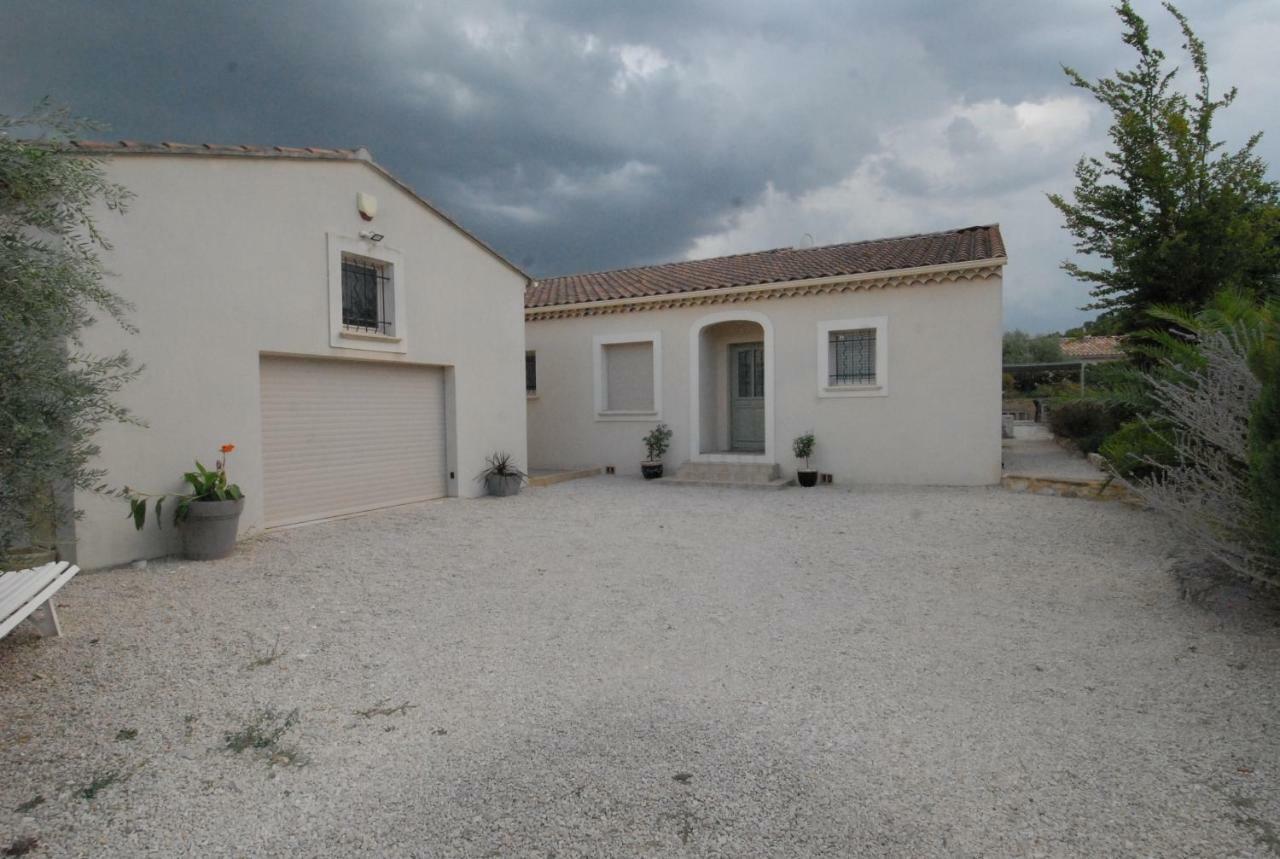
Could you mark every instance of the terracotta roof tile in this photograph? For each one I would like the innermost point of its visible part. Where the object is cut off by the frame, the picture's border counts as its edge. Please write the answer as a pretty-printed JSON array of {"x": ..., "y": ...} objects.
[
  {"x": 172, "y": 147},
  {"x": 1095, "y": 346},
  {"x": 968, "y": 244}
]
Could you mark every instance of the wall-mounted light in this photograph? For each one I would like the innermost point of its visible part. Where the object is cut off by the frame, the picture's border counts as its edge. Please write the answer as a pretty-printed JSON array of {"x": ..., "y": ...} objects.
[{"x": 370, "y": 235}]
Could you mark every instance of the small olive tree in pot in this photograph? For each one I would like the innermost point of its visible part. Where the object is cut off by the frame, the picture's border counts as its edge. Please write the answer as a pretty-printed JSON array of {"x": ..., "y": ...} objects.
[
  {"x": 656, "y": 443},
  {"x": 802, "y": 447},
  {"x": 208, "y": 516}
]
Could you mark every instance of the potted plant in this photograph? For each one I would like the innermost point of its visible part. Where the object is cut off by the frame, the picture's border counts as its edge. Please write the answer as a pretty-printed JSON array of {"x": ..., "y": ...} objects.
[
  {"x": 501, "y": 476},
  {"x": 208, "y": 516},
  {"x": 656, "y": 443},
  {"x": 802, "y": 447}
]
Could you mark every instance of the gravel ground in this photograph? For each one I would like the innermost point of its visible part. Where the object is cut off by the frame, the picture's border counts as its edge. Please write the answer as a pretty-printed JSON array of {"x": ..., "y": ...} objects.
[{"x": 609, "y": 668}]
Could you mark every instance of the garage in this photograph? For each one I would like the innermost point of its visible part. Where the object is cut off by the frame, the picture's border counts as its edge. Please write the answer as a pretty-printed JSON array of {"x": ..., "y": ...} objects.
[{"x": 341, "y": 437}]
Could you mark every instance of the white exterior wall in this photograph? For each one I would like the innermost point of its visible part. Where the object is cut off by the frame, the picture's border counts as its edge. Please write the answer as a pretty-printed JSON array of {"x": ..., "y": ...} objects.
[
  {"x": 226, "y": 258},
  {"x": 938, "y": 424}
]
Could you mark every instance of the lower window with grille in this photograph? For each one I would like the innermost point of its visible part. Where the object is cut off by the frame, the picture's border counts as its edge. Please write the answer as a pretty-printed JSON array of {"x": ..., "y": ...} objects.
[
  {"x": 368, "y": 295},
  {"x": 851, "y": 357}
]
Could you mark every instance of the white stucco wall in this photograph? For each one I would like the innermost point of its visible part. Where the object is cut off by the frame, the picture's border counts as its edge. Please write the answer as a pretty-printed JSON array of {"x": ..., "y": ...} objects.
[
  {"x": 225, "y": 259},
  {"x": 938, "y": 424}
]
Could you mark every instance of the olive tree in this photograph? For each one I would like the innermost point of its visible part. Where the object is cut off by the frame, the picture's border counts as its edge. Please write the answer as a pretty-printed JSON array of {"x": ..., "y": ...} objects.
[{"x": 56, "y": 394}]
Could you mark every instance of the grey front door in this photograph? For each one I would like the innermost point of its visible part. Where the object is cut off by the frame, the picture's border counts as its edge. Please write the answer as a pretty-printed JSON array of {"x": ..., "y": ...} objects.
[{"x": 746, "y": 396}]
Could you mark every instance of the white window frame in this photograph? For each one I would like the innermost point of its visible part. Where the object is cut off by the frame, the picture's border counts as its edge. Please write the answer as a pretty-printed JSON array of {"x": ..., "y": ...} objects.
[
  {"x": 880, "y": 324},
  {"x": 603, "y": 412},
  {"x": 341, "y": 337}
]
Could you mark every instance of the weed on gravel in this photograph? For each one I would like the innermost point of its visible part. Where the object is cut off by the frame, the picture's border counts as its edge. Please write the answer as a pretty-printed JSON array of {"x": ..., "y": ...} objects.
[
  {"x": 263, "y": 733},
  {"x": 99, "y": 783},
  {"x": 22, "y": 846},
  {"x": 30, "y": 804},
  {"x": 378, "y": 709},
  {"x": 266, "y": 658},
  {"x": 126, "y": 734}
]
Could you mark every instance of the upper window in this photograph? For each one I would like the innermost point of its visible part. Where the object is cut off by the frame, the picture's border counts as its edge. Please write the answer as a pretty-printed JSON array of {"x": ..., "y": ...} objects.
[
  {"x": 531, "y": 372},
  {"x": 368, "y": 296},
  {"x": 628, "y": 368},
  {"x": 851, "y": 357}
]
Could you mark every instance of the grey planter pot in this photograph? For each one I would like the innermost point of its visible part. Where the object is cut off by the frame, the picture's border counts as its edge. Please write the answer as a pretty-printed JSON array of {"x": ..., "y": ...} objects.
[
  {"x": 502, "y": 486},
  {"x": 209, "y": 531}
]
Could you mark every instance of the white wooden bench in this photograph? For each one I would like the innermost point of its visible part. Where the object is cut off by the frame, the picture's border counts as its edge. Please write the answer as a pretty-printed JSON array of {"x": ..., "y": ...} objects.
[{"x": 22, "y": 592}]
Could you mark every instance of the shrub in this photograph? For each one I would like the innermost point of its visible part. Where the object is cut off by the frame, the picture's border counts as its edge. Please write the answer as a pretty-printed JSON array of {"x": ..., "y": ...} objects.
[
  {"x": 657, "y": 441},
  {"x": 1264, "y": 444},
  {"x": 1208, "y": 490},
  {"x": 1137, "y": 450},
  {"x": 802, "y": 447},
  {"x": 1085, "y": 423}
]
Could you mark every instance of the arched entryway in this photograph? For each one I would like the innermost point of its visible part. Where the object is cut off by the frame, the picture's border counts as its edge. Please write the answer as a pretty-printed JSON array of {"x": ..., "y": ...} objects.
[{"x": 731, "y": 382}]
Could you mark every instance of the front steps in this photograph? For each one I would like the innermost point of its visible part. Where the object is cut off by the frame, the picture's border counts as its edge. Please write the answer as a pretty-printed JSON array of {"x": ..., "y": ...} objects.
[{"x": 731, "y": 475}]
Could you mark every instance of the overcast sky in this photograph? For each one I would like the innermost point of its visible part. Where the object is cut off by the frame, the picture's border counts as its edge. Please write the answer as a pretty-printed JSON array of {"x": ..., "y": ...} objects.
[{"x": 575, "y": 135}]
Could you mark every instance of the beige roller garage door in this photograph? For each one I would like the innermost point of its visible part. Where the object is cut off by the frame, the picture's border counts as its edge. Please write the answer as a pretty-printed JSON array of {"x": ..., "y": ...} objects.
[{"x": 344, "y": 436}]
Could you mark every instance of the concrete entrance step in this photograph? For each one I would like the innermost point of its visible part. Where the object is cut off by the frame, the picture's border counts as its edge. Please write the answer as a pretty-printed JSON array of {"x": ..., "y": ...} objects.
[
  {"x": 552, "y": 476},
  {"x": 728, "y": 474}
]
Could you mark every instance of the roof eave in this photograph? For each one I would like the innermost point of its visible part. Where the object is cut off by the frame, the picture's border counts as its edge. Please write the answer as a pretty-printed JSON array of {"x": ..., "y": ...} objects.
[{"x": 711, "y": 294}]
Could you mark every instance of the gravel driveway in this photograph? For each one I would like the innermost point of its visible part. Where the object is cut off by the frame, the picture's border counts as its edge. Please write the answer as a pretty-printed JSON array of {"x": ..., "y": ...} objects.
[{"x": 609, "y": 668}]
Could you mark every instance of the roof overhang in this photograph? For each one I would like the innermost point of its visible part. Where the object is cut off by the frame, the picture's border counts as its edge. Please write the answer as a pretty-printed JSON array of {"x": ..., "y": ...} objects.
[{"x": 924, "y": 275}]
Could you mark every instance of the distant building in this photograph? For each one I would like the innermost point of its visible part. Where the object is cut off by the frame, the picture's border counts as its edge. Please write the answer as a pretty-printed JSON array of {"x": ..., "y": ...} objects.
[{"x": 1092, "y": 349}]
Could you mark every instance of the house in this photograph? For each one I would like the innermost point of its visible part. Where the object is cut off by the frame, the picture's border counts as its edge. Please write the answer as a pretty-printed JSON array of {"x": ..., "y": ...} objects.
[
  {"x": 357, "y": 346},
  {"x": 888, "y": 350},
  {"x": 1092, "y": 349}
]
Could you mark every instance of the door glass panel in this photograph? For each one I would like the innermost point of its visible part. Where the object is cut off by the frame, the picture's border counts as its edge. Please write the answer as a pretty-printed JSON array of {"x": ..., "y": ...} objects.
[
  {"x": 744, "y": 373},
  {"x": 758, "y": 371}
]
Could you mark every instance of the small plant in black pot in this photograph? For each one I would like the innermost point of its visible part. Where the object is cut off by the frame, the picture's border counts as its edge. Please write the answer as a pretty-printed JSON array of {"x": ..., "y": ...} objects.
[
  {"x": 802, "y": 447},
  {"x": 656, "y": 443},
  {"x": 501, "y": 476}
]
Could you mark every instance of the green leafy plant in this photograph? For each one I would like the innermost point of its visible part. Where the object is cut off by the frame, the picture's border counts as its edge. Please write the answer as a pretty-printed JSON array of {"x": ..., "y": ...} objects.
[
  {"x": 802, "y": 447},
  {"x": 657, "y": 441},
  {"x": 501, "y": 465},
  {"x": 207, "y": 484}
]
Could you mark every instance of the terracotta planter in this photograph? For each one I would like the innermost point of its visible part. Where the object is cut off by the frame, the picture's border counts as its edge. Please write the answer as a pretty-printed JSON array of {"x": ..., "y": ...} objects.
[
  {"x": 209, "y": 531},
  {"x": 651, "y": 470},
  {"x": 807, "y": 478},
  {"x": 502, "y": 485}
]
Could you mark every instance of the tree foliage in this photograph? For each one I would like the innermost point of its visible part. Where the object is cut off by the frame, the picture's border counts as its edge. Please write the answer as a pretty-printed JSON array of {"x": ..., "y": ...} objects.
[
  {"x": 1022, "y": 348},
  {"x": 56, "y": 394},
  {"x": 1168, "y": 216}
]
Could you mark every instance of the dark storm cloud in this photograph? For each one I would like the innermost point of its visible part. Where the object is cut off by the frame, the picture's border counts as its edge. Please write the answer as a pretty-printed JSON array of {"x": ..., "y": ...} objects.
[{"x": 574, "y": 134}]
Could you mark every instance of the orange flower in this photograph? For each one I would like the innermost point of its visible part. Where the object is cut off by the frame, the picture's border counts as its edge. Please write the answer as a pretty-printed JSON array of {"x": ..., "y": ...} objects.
[{"x": 227, "y": 448}]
